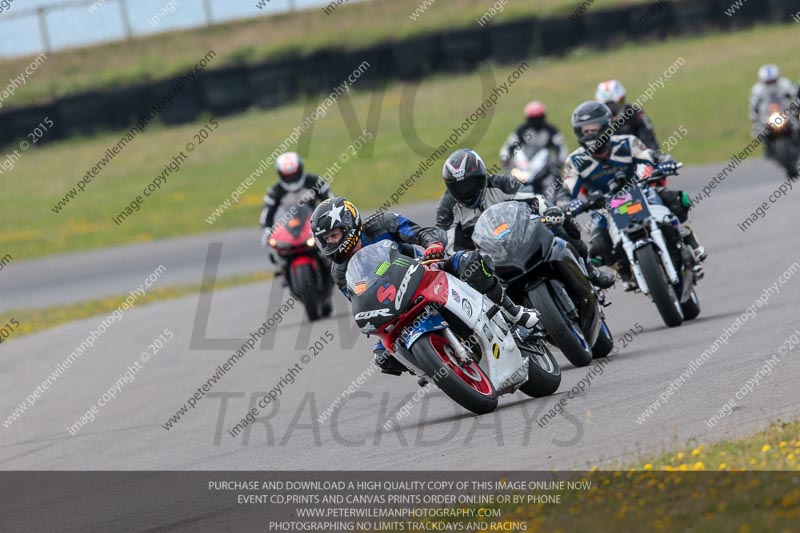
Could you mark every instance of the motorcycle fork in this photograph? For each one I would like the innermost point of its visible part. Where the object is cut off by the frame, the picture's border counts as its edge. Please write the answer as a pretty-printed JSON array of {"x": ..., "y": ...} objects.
[
  {"x": 666, "y": 257},
  {"x": 456, "y": 344}
]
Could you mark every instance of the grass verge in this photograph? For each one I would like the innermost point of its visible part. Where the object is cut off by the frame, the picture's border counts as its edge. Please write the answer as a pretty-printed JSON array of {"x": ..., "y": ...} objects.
[
  {"x": 670, "y": 492},
  {"x": 33, "y": 320},
  {"x": 706, "y": 98}
]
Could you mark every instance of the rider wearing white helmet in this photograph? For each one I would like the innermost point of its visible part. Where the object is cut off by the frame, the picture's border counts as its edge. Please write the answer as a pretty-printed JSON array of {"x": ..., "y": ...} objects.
[
  {"x": 294, "y": 186},
  {"x": 632, "y": 121},
  {"x": 770, "y": 85}
]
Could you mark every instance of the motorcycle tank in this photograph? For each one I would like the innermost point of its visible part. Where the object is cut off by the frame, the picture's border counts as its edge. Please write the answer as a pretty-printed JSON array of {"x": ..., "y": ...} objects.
[
  {"x": 381, "y": 281},
  {"x": 512, "y": 236}
]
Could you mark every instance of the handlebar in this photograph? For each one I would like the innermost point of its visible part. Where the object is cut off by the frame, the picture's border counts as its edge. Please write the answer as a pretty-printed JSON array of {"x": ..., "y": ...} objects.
[{"x": 595, "y": 203}]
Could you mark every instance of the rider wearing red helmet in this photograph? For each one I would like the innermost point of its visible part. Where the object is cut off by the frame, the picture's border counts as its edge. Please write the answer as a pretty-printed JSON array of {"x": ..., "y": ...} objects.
[{"x": 533, "y": 135}]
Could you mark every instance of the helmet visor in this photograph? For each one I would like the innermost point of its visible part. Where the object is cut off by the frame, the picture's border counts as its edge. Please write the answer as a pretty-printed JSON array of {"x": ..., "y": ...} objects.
[{"x": 467, "y": 192}]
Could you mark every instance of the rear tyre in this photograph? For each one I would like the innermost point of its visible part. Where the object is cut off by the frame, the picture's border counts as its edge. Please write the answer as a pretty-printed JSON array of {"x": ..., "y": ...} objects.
[
  {"x": 544, "y": 374},
  {"x": 662, "y": 292},
  {"x": 604, "y": 343},
  {"x": 303, "y": 281},
  {"x": 565, "y": 333},
  {"x": 691, "y": 309},
  {"x": 466, "y": 385}
]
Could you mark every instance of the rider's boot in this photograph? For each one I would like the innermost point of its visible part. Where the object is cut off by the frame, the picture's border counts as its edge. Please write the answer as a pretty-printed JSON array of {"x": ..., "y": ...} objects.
[
  {"x": 519, "y": 315},
  {"x": 690, "y": 238},
  {"x": 598, "y": 278}
]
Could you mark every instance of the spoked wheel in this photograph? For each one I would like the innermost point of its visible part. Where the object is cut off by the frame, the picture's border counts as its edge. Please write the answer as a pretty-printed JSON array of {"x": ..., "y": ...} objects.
[{"x": 465, "y": 383}]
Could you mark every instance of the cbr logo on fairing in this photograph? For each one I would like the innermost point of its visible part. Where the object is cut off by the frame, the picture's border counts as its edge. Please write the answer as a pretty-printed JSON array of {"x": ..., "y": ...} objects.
[
  {"x": 401, "y": 290},
  {"x": 371, "y": 314}
]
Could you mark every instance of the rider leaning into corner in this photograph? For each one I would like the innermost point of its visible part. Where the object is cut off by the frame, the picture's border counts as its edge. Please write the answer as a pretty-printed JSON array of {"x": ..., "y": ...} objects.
[
  {"x": 470, "y": 191},
  {"x": 771, "y": 85},
  {"x": 340, "y": 233},
  {"x": 630, "y": 120},
  {"x": 294, "y": 187},
  {"x": 533, "y": 135},
  {"x": 596, "y": 163}
]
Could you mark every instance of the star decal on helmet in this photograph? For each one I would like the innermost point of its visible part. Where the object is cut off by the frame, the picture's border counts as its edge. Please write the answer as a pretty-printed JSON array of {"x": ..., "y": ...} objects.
[{"x": 335, "y": 215}]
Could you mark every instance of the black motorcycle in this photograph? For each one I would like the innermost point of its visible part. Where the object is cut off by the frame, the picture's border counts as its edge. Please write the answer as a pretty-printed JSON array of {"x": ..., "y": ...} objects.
[{"x": 544, "y": 272}]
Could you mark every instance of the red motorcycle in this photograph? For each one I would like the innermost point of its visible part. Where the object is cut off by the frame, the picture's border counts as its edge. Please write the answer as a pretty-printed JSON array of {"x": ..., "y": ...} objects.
[{"x": 305, "y": 269}]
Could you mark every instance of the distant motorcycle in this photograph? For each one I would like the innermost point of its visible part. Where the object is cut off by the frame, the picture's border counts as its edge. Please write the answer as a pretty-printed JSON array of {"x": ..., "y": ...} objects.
[
  {"x": 544, "y": 272},
  {"x": 306, "y": 270},
  {"x": 782, "y": 136},
  {"x": 445, "y": 331},
  {"x": 664, "y": 267},
  {"x": 537, "y": 172}
]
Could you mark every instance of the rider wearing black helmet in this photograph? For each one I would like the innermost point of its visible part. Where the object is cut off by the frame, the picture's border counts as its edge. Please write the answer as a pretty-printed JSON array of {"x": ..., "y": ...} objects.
[
  {"x": 470, "y": 191},
  {"x": 596, "y": 163},
  {"x": 339, "y": 232}
]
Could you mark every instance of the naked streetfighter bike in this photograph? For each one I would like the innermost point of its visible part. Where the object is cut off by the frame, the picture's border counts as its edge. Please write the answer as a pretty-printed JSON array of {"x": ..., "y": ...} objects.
[
  {"x": 664, "y": 267},
  {"x": 545, "y": 273},
  {"x": 445, "y": 331}
]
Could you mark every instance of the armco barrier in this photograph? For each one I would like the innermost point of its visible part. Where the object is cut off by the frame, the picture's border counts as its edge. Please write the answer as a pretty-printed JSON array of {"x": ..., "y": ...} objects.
[
  {"x": 233, "y": 89},
  {"x": 511, "y": 43},
  {"x": 603, "y": 27}
]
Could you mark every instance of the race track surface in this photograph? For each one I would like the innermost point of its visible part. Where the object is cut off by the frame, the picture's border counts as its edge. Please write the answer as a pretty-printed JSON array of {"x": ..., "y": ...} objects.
[{"x": 599, "y": 425}]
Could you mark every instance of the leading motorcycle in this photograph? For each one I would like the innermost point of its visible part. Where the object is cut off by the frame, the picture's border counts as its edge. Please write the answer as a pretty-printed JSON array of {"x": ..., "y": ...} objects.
[
  {"x": 544, "y": 272},
  {"x": 445, "y": 331}
]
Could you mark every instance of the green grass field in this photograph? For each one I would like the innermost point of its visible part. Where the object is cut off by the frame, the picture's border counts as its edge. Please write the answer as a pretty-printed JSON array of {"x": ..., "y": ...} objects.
[
  {"x": 707, "y": 96},
  {"x": 744, "y": 484},
  {"x": 351, "y": 25}
]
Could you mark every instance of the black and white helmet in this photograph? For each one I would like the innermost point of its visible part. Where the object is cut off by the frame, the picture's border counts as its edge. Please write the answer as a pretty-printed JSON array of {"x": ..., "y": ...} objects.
[
  {"x": 336, "y": 213},
  {"x": 464, "y": 176},
  {"x": 592, "y": 113}
]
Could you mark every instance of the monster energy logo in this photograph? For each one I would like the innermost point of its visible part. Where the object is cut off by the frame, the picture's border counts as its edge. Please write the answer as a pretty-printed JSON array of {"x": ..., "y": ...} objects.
[{"x": 401, "y": 261}]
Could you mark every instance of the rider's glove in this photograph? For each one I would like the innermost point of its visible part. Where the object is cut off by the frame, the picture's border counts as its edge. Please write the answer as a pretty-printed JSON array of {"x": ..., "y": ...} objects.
[
  {"x": 553, "y": 216},
  {"x": 667, "y": 168},
  {"x": 434, "y": 251},
  {"x": 265, "y": 236},
  {"x": 574, "y": 205}
]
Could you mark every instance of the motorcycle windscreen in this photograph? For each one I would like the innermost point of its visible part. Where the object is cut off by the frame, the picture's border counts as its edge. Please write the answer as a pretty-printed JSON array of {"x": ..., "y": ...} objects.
[
  {"x": 381, "y": 281},
  {"x": 294, "y": 218},
  {"x": 513, "y": 237}
]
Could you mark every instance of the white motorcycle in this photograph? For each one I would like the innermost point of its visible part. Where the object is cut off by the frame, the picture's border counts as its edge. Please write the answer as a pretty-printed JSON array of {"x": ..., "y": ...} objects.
[
  {"x": 536, "y": 172},
  {"x": 445, "y": 331},
  {"x": 664, "y": 267}
]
